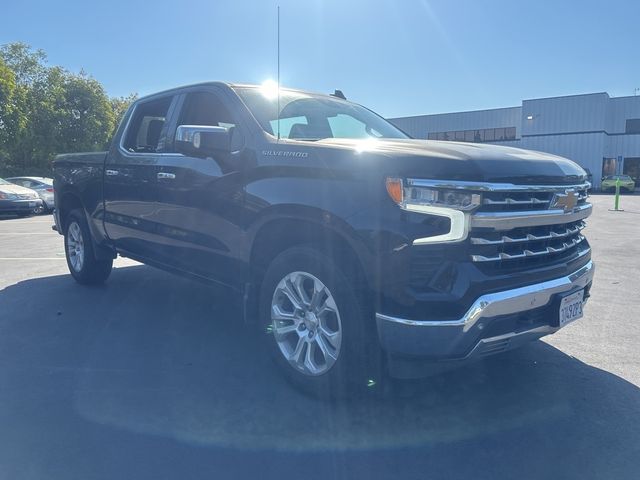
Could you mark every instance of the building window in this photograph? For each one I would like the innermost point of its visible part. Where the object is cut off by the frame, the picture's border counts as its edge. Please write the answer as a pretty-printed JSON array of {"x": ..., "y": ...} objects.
[
  {"x": 489, "y": 135},
  {"x": 633, "y": 125},
  {"x": 476, "y": 136}
]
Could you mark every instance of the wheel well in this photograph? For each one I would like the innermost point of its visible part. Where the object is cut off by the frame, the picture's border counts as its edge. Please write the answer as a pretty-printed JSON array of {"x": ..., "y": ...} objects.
[
  {"x": 70, "y": 201},
  {"x": 280, "y": 235}
]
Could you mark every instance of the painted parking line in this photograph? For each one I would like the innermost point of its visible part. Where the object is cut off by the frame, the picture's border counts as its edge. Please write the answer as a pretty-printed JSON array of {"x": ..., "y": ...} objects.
[{"x": 31, "y": 258}]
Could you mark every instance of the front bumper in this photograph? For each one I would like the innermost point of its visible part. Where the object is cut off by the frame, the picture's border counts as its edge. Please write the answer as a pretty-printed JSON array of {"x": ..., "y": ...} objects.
[
  {"x": 19, "y": 206},
  {"x": 495, "y": 322}
]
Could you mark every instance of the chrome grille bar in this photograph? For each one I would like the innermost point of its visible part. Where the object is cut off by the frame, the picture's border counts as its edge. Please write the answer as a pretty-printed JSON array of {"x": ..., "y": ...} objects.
[
  {"x": 513, "y": 201},
  {"x": 529, "y": 237},
  {"x": 529, "y": 253},
  {"x": 493, "y": 187},
  {"x": 531, "y": 218}
]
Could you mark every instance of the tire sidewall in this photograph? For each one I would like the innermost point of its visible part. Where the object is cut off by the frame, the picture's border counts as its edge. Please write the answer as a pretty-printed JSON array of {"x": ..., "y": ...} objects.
[
  {"x": 75, "y": 218},
  {"x": 93, "y": 271},
  {"x": 356, "y": 362}
]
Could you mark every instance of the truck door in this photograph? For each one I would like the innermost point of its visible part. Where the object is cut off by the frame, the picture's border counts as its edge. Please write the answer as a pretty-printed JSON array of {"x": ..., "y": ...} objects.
[
  {"x": 200, "y": 200},
  {"x": 130, "y": 178}
]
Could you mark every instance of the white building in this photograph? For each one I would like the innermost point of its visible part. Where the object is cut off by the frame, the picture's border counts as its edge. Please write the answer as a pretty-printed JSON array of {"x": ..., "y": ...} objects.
[{"x": 597, "y": 131}]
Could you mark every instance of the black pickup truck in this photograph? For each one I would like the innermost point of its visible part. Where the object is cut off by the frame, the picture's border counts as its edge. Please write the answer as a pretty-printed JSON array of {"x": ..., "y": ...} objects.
[{"x": 354, "y": 246}]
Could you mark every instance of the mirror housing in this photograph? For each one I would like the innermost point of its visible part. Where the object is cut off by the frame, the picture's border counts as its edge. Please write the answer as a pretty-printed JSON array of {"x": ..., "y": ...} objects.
[{"x": 202, "y": 140}]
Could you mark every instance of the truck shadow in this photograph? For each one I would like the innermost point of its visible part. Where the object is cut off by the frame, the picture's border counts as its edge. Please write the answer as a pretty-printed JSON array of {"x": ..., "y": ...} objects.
[{"x": 158, "y": 356}]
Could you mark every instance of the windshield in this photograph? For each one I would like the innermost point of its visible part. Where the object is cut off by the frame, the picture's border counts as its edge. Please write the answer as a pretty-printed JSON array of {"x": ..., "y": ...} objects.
[{"x": 305, "y": 116}]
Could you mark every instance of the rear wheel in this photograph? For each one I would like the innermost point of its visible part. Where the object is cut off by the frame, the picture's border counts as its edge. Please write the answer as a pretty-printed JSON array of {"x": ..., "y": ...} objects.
[
  {"x": 83, "y": 265},
  {"x": 321, "y": 329}
]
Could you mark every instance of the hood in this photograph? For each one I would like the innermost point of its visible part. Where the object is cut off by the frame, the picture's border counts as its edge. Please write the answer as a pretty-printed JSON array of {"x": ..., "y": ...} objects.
[
  {"x": 12, "y": 188},
  {"x": 441, "y": 160}
]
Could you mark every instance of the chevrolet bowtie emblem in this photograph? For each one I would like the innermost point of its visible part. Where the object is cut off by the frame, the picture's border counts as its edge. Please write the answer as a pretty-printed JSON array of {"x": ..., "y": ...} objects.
[{"x": 567, "y": 201}]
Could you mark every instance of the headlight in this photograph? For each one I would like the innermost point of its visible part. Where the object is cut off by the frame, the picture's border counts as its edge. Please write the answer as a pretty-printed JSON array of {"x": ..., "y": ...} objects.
[
  {"x": 452, "y": 204},
  {"x": 438, "y": 197},
  {"x": 459, "y": 200},
  {"x": 8, "y": 196}
]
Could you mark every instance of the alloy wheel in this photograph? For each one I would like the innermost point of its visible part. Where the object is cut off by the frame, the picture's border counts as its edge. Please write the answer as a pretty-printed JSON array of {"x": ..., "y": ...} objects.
[
  {"x": 306, "y": 324},
  {"x": 75, "y": 246}
]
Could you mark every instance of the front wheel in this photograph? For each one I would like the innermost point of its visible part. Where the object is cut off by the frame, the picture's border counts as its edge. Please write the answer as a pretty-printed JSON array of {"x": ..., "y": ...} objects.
[
  {"x": 83, "y": 265},
  {"x": 320, "y": 326}
]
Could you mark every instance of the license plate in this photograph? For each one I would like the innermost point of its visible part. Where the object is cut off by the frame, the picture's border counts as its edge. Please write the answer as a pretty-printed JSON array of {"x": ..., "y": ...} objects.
[{"x": 571, "y": 308}]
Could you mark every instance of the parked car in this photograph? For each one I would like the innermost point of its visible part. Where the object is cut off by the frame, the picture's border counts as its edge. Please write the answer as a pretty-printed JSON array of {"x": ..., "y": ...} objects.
[
  {"x": 17, "y": 200},
  {"x": 42, "y": 185},
  {"x": 355, "y": 247},
  {"x": 626, "y": 183}
]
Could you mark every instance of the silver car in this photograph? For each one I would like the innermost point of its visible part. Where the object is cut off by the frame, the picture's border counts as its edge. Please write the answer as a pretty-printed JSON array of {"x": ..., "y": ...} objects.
[
  {"x": 18, "y": 200},
  {"x": 42, "y": 185}
]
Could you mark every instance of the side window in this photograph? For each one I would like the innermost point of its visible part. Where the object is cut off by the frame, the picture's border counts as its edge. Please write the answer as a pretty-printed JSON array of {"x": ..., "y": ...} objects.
[
  {"x": 146, "y": 128},
  {"x": 286, "y": 124},
  {"x": 26, "y": 183},
  {"x": 205, "y": 108}
]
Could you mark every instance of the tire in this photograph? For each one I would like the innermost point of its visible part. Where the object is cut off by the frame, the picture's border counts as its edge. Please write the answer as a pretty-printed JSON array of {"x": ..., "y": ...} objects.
[
  {"x": 78, "y": 248},
  {"x": 344, "y": 307},
  {"x": 39, "y": 210}
]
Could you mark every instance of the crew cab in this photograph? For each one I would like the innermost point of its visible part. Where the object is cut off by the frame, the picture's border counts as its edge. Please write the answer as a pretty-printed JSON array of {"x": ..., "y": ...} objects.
[{"x": 355, "y": 247}]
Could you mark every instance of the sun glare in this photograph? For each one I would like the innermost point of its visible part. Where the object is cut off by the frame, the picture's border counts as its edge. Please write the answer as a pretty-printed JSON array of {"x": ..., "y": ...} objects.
[{"x": 269, "y": 89}]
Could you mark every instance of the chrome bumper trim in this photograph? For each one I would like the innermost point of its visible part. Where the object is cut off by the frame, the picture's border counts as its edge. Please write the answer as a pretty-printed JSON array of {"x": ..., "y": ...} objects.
[
  {"x": 501, "y": 343},
  {"x": 506, "y": 302}
]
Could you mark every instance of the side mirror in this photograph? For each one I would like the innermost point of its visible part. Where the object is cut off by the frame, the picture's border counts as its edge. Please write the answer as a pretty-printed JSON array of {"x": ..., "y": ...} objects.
[{"x": 202, "y": 140}]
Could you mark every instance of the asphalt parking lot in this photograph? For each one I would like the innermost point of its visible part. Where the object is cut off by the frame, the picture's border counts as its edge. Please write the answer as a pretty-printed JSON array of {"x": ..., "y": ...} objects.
[{"x": 153, "y": 376}]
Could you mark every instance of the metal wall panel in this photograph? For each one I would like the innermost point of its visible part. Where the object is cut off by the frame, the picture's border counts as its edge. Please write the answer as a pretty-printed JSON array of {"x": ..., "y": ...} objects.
[
  {"x": 583, "y": 128},
  {"x": 621, "y": 109},
  {"x": 421, "y": 126},
  {"x": 574, "y": 114}
]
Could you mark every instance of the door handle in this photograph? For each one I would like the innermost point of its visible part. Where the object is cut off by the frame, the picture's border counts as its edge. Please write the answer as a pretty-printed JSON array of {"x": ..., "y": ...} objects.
[
  {"x": 111, "y": 173},
  {"x": 168, "y": 176}
]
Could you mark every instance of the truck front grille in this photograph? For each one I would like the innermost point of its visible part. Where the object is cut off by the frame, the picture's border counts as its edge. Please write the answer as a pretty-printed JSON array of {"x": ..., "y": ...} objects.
[
  {"x": 523, "y": 228},
  {"x": 526, "y": 242}
]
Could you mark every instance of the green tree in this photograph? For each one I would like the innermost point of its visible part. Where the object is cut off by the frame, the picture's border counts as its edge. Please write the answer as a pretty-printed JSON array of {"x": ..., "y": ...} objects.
[
  {"x": 119, "y": 106},
  {"x": 46, "y": 110},
  {"x": 7, "y": 92}
]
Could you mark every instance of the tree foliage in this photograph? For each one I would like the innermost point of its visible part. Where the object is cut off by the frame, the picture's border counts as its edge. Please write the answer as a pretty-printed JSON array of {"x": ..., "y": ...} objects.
[{"x": 46, "y": 110}]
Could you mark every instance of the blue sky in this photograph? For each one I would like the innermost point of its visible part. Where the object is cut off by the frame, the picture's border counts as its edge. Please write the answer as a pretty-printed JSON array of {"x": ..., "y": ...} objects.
[{"x": 398, "y": 57}]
